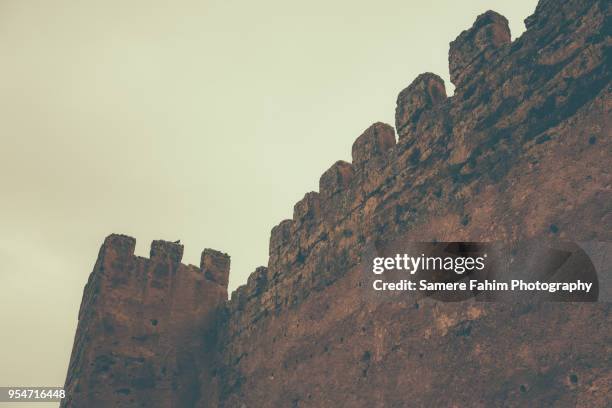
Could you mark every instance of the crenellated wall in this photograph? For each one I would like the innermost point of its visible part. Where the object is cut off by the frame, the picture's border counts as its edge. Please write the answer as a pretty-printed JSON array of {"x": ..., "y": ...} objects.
[
  {"x": 146, "y": 328},
  {"x": 521, "y": 150},
  {"x": 513, "y": 107}
]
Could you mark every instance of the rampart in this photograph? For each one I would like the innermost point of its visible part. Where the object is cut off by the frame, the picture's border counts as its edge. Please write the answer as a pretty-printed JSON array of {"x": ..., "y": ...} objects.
[{"x": 520, "y": 150}]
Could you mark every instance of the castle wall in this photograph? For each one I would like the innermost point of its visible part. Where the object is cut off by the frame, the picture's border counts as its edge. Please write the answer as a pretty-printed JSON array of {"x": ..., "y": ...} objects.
[
  {"x": 521, "y": 150},
  {"x": 146, "y": 328}
]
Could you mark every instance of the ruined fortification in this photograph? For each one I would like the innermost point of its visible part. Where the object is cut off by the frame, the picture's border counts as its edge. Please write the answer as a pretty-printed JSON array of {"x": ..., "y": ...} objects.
[
  {"x": 521, "y": 150},
  {"x": 146, "y": 330}
]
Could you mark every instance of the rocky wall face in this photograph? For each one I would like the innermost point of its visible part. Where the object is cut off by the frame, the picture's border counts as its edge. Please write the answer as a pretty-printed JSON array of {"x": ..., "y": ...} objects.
[
  {"x": 146, "y": 330},
  {"x": 521, "y": 150}
]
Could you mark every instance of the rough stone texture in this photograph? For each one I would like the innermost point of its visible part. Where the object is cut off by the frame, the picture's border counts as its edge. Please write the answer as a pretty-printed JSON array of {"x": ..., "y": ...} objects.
[
  {"x": 521, "y": 150},
  {"x": 373, "y": 144},
  {"x": 336, "y": 178},
  {"x": 216, "y": 266},
  {"x": 146, "y": 328},
  {"x": 166, "y": 251},
  {"x": 424, "y": 93},
  {"x": 523, "y": 145},
  {"x": 477, "y": 45}
]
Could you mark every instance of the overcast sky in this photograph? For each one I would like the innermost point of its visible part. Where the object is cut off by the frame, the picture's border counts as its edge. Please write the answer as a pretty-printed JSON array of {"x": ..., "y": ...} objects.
[{"x": 203, "y": 121}]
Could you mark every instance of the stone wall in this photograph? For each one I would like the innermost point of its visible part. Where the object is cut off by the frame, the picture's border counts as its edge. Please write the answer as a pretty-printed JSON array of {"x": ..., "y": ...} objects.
[
  {"x": 521, "y": 150},
  {"x": 147, "y": 328}
]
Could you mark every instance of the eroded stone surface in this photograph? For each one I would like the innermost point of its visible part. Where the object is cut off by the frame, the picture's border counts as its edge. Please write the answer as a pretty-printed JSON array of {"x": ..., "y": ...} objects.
[
  {"x": 477, "y": 46},
  {"x": 146, "y": 330},
  {"x": 373, "y": 143},
  {"x": 523, "y": 145},
  {"x": 424, "y": 93}
]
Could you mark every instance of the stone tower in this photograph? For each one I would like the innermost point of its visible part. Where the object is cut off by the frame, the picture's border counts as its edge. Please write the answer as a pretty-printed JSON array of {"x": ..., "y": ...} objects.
[{"x": 146, "y": 328}]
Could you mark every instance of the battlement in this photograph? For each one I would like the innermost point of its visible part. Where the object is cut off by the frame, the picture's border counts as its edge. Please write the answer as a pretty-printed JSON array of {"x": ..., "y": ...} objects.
[
  {"x": 336, "y": 178},
  {"x": 374, "y": 142},
  {"x": 485, "y": 153},
  {"x": 475, "y": 165},
  {"x": 122, "y": 245},
  {"x": 413, "y": 103},
  {"x": 166, "y": 251},
  {"x": 442, "y": 144},
  {"x": 477, "y": 45},
  {"x": 142, "y": 303},
  {"x": 214, "y": 265},
  {"x": 417, "y": 113},
  {"x": 307, "y": 208}
]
